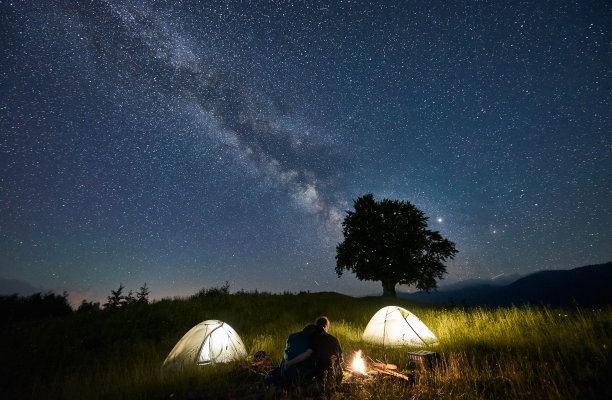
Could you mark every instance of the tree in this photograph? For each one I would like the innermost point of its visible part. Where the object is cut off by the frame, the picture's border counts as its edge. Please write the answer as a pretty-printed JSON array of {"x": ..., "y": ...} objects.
[
  {"x": 129, "y": 299},
  {"x": 388, "y": 241},
  {"x": 116, "y": 299},
  {"x": 143, "y": 294}
]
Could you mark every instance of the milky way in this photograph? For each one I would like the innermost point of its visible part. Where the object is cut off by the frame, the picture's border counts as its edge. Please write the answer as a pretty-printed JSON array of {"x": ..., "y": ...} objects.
[{"x": 185, "y": 144}]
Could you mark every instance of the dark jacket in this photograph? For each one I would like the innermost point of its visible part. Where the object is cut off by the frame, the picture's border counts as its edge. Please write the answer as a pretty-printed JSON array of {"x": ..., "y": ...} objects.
[
  {"x": 326, "y": 356},
  {"x": 297, "y": 343},
  {"x": 297, "y": 374}
]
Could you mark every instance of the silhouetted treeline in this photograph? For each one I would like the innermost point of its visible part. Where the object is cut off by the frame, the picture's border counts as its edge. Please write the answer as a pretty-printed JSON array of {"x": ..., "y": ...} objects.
[
  {"x": 39, "y": 305},
  {"x": 42, "y": 305},
  {"x": 117, "y": 299},
  {"x": 212, "y": 292}
]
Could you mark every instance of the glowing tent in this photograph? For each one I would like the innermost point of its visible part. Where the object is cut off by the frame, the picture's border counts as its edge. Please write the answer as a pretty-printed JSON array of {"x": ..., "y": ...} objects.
[
  {"x": 396, "y": 326},
  {"x": 208, "y": 342}
]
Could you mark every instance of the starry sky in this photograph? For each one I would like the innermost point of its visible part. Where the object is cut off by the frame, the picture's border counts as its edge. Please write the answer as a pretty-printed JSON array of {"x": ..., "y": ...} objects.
[{"x": 189, "y": 143}]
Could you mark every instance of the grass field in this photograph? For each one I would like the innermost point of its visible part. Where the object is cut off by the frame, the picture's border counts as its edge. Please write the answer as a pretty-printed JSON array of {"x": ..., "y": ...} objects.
[{"x": 518, "y": 353}]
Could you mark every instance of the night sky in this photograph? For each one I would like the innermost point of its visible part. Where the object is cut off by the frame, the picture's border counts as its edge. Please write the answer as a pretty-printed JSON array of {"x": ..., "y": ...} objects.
[{"x": 186, "y": 144}]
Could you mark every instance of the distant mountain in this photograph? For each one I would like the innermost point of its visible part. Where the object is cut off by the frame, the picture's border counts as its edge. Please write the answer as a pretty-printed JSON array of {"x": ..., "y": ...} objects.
[
  {"x": 584, "y": 286},
  {"x": 498, "y": 281}
]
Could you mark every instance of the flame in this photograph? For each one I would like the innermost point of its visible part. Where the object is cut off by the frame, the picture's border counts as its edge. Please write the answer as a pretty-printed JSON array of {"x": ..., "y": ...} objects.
[{"x": 358, "y": 364}]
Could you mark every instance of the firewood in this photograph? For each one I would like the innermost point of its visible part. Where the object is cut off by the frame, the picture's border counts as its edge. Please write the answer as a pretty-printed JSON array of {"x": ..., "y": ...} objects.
[
  {"x": 395, "y": 374},
  {"x": 384, "y": 366}
]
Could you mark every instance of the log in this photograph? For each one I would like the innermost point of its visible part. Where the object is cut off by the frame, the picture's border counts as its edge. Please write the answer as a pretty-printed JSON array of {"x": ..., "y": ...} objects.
[
  {"x": 392, "y": 373},
  {"x": 354, "y": 373},
  {"x": 384, "y": 366}
]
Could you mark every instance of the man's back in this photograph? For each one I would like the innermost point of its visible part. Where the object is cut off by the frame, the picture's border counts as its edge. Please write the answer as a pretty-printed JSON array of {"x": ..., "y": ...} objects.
[{"x": 327, "y": 356}]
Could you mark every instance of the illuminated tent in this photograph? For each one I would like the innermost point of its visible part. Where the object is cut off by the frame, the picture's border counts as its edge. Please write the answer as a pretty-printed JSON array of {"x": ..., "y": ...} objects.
[
  {"x": 208, "y": 342},
  {"x": 396, "y": 326}
]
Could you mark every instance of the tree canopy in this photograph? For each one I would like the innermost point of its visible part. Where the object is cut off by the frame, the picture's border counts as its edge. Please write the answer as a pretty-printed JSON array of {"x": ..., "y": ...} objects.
[{"x": 388, "y": 241}]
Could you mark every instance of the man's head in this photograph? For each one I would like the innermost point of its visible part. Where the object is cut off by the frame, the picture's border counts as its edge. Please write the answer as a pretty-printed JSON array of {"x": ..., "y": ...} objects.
[{"x": 322, "y": 322}]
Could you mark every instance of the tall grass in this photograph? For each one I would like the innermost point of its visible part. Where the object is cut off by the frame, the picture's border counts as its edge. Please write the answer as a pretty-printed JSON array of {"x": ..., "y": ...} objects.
[
  {"x": 524, "y": 352},
  {"x": 521, "y": 353}
]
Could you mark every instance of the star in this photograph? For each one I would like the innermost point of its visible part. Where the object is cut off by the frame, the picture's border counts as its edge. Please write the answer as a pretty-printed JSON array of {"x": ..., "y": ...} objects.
[{"x": 186, "y": 144}]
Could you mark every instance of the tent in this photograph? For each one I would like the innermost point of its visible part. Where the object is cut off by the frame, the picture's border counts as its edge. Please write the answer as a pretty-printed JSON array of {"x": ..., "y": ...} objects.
[
  {"x": 208, "y": 342},
  {"x": 396, "y": 326}
]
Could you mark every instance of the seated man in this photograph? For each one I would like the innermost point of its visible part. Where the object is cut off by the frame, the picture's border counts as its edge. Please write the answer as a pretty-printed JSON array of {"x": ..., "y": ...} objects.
[{"x": 326, "y": 355}]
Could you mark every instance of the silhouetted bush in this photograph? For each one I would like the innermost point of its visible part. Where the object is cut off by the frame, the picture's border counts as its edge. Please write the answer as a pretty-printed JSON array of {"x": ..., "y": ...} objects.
[
  {"x": 213, "y": 292},
  {"x": 16, "y": 308},
  {"x": 88, "y": 306}
]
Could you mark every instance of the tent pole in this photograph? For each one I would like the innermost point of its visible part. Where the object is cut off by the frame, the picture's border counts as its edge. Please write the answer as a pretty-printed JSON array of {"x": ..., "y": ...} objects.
[{"x": 415, "y": 332}]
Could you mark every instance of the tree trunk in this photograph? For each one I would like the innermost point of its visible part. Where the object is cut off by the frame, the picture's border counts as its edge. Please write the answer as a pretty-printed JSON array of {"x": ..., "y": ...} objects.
[{"x": 389, "y": 289}]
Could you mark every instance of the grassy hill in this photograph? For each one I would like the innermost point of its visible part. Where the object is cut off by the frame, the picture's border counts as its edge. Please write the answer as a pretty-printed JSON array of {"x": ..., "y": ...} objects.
[{"x": 114, "y": 354}]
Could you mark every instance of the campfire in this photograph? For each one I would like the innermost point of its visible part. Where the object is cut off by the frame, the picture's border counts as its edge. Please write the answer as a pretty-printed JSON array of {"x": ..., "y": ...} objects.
[
  {"x": 357, "y": 369},
  {"x": 360, "y": 369},
  {"x": 358, "y": 365}
]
